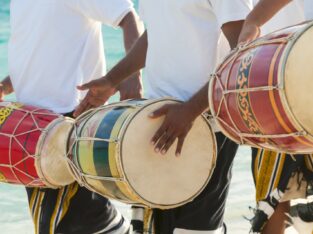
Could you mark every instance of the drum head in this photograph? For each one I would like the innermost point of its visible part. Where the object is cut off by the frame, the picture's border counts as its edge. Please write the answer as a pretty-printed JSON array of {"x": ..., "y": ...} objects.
[
  {"x": 51, "y": 163},
  {"x": 299, "y": 80},
  {"x": 166, "y": 180}
]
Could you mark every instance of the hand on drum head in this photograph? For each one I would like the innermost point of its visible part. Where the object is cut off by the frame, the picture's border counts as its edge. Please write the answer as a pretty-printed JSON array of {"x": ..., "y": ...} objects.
[
  {"x": 248, "y": 33},
  {"x": 131, "y": 88},
  {"x": 99, "y": 91},
  {"x": 177, "y": 123}
]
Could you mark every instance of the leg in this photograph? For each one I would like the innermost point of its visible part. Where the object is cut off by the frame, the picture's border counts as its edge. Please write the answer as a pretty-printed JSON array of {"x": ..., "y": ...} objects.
[
  {"x": 73, "y": 209},
  {"x": 271, "y": 172},
  {"x": 276, "y": 224},
  {"x": 205, "y": 213}
]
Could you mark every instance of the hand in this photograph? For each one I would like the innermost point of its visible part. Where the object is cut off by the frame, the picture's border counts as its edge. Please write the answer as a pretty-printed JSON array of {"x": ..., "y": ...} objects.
[
  {"x": 1, "y": 93},
  {"x": 131, "y": 88},
  {"x": 248, "y": 33},
  {"x": 99, "y": 91},
  {"x": 177, "y": 123}
]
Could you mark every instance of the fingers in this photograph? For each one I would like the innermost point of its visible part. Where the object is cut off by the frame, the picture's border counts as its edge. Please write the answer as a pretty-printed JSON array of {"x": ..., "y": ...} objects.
[
  {"x": 168, "y": 144},
  {"x": 159, "y": 112},
  {"x": 159, "y": 133},
  {"x": 165, "y": 138},
  {"x": 180, "y": 144},
  {"x": 1, "y": 93},
  {"x": 86, "y": 86},
  {"x": 83, "y": 106}
]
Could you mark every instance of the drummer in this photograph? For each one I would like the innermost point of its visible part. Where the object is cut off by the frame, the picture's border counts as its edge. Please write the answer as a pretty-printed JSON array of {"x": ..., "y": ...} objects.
[
  {"x": 179, "y": 50},
  {"x": 54, "y": 46}
]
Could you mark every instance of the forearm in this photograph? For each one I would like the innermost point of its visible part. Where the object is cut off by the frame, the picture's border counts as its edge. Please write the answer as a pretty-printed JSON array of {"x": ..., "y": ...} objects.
[
  {"x": 131, "y": 63},
  {"x": 265, "y": 10},
  {"x": 7, "y": 85}
]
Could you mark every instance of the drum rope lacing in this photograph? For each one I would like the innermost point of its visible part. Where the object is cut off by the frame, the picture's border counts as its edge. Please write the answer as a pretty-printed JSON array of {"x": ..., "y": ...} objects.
[
  {"x": 231, "y": 60},
  {"x": 13, "y": 137},
  {"x": 77, "y": 172}
]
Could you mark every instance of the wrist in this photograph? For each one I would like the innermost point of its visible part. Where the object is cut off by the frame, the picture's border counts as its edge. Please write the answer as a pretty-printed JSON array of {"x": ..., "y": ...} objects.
[
  {"x": 193, "y": 109},
  {"x": 253, "y": 21},
  {"x": 110, "y": 81}
]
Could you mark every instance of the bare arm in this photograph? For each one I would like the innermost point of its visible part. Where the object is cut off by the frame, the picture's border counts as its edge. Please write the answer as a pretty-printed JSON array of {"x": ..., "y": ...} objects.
[
  {"x": 179, "y": 117},
  {"x": 5, "y": 87},
  {"x": 100, "y": 90},
  {"x": 131, "y": 63},
  {"x": 132, "y": 29},
  {"x": 262, "y": 12}
]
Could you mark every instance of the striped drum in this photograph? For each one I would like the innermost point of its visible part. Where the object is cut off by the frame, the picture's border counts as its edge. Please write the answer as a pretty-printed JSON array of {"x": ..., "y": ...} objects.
[
  {"x": 112, "y": 155},
  {"x": 261, "y": 94}
]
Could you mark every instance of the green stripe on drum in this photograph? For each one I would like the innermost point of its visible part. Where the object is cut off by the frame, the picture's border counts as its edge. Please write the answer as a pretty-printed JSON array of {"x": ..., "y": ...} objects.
[
  {"x": 101, "y": 154},
  {"x": 101, "y": 148}
]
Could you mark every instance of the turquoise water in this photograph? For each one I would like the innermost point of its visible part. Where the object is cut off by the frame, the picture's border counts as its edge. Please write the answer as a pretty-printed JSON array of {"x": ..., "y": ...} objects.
[{"x": 14, "y": 216}]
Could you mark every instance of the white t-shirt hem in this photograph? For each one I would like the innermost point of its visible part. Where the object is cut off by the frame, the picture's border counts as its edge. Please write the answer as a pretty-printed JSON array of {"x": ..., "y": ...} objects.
[
  {"x": 232, "y": 17},
  {"x": 119, "y": 19}
]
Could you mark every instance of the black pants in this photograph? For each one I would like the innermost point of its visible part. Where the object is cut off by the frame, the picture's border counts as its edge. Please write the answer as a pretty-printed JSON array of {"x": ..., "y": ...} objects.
[
  {"x": 73, "y": 209},
  {"x": 206, "y": 212}
]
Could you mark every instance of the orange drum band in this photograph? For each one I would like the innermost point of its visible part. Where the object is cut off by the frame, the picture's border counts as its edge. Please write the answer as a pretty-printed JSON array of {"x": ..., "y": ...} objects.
[{"x": 260, "y": 95}]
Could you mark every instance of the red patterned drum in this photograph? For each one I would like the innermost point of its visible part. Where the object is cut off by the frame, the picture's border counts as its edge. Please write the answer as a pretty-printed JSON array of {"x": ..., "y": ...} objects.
[
  {"x": 33, "y": 146},
  {"x": 261, "y": 94}
]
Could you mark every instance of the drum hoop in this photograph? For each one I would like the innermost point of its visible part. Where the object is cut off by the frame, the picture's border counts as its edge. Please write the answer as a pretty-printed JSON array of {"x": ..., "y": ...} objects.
[
  {"x": 40, "y": 146},
  {"x": 281, "y": 83},
  {"x": 120, "y": 162}
]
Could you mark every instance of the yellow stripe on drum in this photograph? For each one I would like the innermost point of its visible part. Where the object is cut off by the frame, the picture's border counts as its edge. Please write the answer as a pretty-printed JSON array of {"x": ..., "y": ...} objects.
[
  {"x": 114, "y": 157},
  {"x": 88, "y": 164}
]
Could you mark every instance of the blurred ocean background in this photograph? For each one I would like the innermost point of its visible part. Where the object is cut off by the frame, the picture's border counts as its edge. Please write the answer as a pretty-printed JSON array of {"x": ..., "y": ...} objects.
[{"x": 14, "y": 215}]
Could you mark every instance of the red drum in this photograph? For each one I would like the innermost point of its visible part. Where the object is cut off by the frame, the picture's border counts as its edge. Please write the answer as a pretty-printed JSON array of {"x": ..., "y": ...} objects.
[
  {"x": 33, "y": 146},
  {"x": 261, "y": 94}
]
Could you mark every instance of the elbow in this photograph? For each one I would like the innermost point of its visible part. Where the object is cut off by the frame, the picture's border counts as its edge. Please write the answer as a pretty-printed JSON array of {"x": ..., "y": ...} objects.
[{"x": 131, "y": 21}]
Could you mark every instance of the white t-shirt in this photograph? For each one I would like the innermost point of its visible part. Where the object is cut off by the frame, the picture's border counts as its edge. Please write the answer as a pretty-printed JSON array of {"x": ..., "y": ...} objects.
[
  {"x": 308, "y": 9},
  {"x": 290, "y": 15},
  {"x": 182, "y": 38},
  {"x": 56, "y": 45}
]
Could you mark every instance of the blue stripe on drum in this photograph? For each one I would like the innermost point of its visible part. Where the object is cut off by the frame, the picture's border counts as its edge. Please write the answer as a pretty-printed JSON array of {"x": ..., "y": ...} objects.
[{"x": 101, "y": 148}]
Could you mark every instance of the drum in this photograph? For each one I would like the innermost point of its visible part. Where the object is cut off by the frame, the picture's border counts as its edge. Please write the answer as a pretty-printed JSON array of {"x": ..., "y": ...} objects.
[
  {"x": 33, "y": 145},
  {"x": 261, "y": 94},
  {"x": 112, "y": 155}
]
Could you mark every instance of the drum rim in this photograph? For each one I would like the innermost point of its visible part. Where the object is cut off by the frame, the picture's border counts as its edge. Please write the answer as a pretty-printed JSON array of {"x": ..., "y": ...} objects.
[
  {"x": 214, "y": 116},
  {"x": 120, "y": 162},
  {"x": 281, "y": 82},
  {"x": 40, "y": 146},
  {"x": 281, "y": 74}
]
